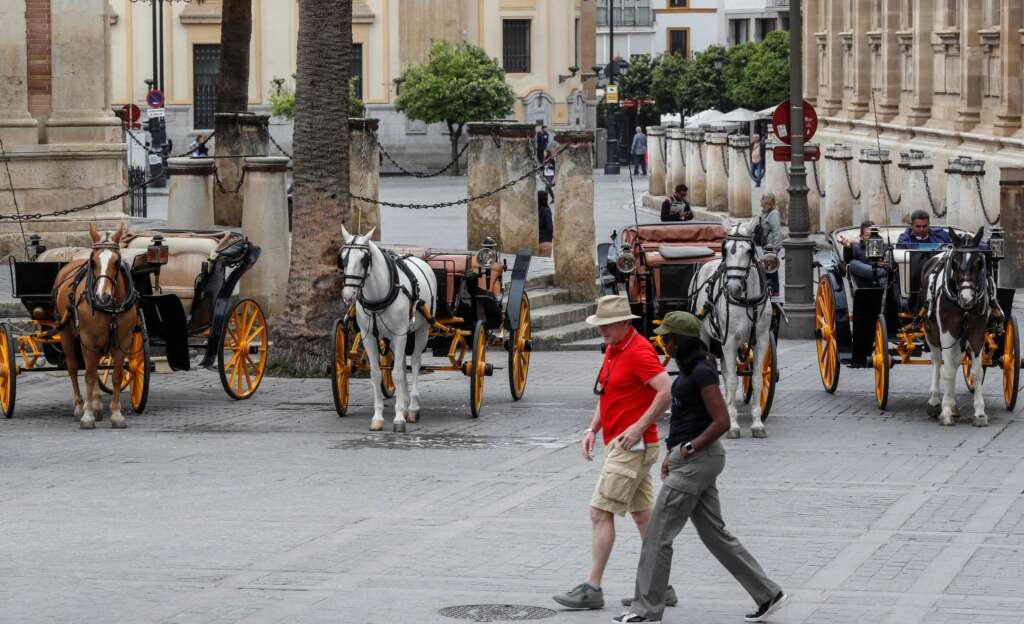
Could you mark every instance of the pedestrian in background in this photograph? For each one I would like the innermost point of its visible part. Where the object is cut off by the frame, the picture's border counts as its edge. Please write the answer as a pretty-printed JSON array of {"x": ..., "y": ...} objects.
[
  {"x": 771, "y": 225},
  {"x": 545, "y": 197},
  {"x": 639, "y": 151},
  {"x": 632, "y": 390},
  {"x": 689, "y": 474},
  {"x": 542, "y": 139},
  {"x": 676, "y": 207},
  {"x": 757, "y": 160},
  {"x": 198, "y": 147}
]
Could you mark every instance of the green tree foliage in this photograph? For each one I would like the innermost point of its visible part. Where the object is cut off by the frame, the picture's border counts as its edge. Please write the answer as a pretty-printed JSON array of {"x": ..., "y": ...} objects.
[
  {"x": 758, "y": 74},
  {"x": 458, "y": 84},
  {"x": 704, "y": 85},
  {"x": 282, "y": 102},
  {"x": 667, "y": 80},
  {"x": 636, "y": 84}
]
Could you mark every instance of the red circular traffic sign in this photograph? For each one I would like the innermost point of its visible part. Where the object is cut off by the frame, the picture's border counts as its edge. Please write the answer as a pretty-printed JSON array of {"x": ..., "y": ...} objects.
[
  {"x": 155, "y": 98},
  {"x": 781, "y": 126}
]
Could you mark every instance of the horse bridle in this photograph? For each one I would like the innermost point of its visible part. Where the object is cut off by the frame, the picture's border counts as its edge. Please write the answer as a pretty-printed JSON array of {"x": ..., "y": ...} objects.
[
  {"x": 131, "y": 296},
  {"x": 355, "y": 281},
  {"x": 742, "y": 273},
  {"x": 980, "y": 289}
]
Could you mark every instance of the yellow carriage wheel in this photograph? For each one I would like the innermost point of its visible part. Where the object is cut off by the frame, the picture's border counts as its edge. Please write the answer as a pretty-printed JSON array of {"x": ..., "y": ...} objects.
[
  {"x": 106, "y": 375},
  {"x": 519, "y": 352},
  {"x": 881, "y": 362},
  {"x": 8, "y": 371},
  {"x": 137, "y": 371},
  {"x": 1010, "y": 363},
  {"x": 387, "y": 373},
  {"x": 966, "y": 366},
  {"x": 825, "y": 336},
  {"x": 341, "y": 366},
  {"x": 242, "y": 358},
  {"x": 478, "y": 369},
  {"x": 769, "y": 375}
]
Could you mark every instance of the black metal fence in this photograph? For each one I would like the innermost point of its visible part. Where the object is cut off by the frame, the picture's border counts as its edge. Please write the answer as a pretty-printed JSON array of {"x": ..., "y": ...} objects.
[{"x": 137, "y": 203}]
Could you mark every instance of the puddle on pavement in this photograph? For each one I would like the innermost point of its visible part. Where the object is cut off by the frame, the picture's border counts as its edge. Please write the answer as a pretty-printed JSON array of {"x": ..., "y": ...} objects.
[{"x": 442, "y": 441}]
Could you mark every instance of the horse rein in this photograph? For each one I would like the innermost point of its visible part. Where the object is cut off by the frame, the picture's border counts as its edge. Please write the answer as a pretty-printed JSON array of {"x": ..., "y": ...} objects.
[
  {"x": 981, "y": 290},
  {"x": 131, "y": 296}
]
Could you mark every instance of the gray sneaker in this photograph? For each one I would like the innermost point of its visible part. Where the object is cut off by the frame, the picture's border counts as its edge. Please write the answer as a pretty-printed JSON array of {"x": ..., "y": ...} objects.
[
  {"x": 671, "y": 599},
  {"x": 583, "y": 596}
]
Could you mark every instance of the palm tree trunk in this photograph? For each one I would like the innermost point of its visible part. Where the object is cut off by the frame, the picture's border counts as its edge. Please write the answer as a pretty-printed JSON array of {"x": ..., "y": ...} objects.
[{"x": 302, "y": 344}]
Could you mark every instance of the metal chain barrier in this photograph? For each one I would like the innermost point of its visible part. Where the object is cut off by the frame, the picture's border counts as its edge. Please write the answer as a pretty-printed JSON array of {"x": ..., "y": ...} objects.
[
  {"x": 725, "y": 162},
  {"x": 460, "y": 202},
  {"x": 154, "y": 152},
  {"x": 424, "y": 175},
  {"x": 60, "y": 213},
  {"x": 981, "y": 200},
  {"x": 278, "y": 145},
  {"x": 849, "y": 184},
  {"x": 885, "y": 184},
  {"x": 700, "y": 154},
  {"x": 220, "y": 185},
  {"x": 817, "y": 182},
  {"x": 931, "y": 200}
]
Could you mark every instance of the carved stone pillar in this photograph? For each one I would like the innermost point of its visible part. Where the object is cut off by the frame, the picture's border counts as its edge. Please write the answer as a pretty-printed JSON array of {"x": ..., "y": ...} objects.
[
  {"x": 739, "y": 176},
  {"x": 363, "y": 176},
  {"x": 676, "y": 167},
  {"x": 656, "y": 160},
  {"x": 971, "y": 69},
  {"x": 923, "y": 55},
  {"x": 575, "y": 241},
  {"x": 856, "y": 59},
  {"x": 718, "y": 183},
  {"x": 776, "y": 179},
  {"x": 190, "y": 197},
  {"x": 264, "y": 221},
  {"x": 17, "y": 126},
  {"x": 1008, "y": 118},
  {"x": 519, "y": 225},
  {"x": 831, "y": 52},
  {"x": 697, "y": 172},
  {"x": 838, "y": 200},
  {"x": 251, "y": 133},
  {"x": 874, "y": 203},
  {"x": 916, "y": 188},
  {"x": 483, "y": 170},
  {"x": 965, "y": 198}
]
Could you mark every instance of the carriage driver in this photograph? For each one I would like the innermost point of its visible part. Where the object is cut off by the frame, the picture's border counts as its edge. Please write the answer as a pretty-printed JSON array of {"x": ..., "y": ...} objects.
[
  {"x": 632, "y": 390},
  {"x": 920, "y": 231},
  {"x": 857, "y": 263}
]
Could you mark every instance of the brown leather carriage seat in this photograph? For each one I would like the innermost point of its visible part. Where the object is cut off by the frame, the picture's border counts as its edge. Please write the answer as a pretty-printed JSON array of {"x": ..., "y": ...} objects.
[{"x": 456, "y": 264}]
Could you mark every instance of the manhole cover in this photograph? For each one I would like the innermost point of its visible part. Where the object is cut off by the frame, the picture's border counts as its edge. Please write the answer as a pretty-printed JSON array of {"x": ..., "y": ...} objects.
[{"x": 497, "y": 612}]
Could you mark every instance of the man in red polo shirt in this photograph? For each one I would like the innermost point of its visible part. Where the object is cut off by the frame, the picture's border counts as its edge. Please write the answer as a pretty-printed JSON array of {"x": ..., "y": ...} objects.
[{"x": 633, "y": 390}]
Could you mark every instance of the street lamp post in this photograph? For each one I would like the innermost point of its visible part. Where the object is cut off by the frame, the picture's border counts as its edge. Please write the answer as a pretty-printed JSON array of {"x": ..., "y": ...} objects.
[
  {"x": 611, "y": 121},
  {"x": 799, "y": 247}
]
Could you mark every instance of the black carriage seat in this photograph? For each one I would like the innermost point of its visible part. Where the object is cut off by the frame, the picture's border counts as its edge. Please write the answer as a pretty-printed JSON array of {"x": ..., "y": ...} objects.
[{"x": 917, "y": 259}]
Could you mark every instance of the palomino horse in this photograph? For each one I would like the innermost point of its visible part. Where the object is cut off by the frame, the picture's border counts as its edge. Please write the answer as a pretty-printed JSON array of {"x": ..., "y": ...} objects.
[
  {"x": 731, "y": 296},
  {"x": 97, "y": 308},
  {"x": 957, "y": 290},
  {"x": 387, "y": 291}
]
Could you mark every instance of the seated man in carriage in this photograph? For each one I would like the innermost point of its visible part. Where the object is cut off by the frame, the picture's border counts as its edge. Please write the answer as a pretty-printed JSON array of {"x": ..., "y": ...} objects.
[
  {"x": 857, "y": 263},
  {"x": 921, "y": 232}
]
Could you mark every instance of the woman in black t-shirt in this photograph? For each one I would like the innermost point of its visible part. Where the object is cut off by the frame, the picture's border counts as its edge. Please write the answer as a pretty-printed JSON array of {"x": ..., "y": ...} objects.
[{"x": 690, "y": 471}]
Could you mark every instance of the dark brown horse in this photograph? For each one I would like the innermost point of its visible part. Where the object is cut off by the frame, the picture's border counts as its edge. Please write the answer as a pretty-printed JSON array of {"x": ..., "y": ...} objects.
[
  {"x": 957, "y": 291},
  {"x": 97, "y": 307}
]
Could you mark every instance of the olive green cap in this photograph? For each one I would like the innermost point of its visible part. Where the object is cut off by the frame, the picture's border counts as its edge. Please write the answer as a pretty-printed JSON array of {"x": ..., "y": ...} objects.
[{"x": 680, "y": 324}]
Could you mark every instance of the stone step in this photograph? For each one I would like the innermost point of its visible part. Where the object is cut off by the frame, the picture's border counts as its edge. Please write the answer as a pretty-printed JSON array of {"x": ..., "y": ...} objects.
[
  {"x": 543, "y": 297},
  {"x": 13, "y": 310},
  {"x": 553, "y": 316},
  {"x": 584, "y": 345},
  {"x": 556, "y": 338}
]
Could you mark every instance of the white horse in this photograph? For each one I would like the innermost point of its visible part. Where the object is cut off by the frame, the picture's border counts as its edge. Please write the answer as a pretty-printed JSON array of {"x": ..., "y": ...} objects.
[
  {"x": 731, "y": 296},
  {"x": 387, "y": 291},
  {"x": 957, "y": 289}
]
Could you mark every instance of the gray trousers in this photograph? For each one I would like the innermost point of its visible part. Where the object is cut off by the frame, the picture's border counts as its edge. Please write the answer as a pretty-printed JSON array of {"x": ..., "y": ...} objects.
[{"x": 690, "y": 492}]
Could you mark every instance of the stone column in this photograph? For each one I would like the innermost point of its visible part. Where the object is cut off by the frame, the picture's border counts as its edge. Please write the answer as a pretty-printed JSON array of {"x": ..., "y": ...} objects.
[
  {"x": 483, "y": 172},
  {"x": 656, "y": 160},
  {"x": 575, "y": 241},
  {"x": 951, "y": 209},
  {"x": 1011, "y": 205},
  {"x": 17, "y": 126},
  {"x": 815, "y": 201},
  {"x": 81, "y": 108},
  {"x": 974, "y": 213},
  {"x": 518, "y": 222},
  {"x": 696, "y": 173},
  {"x": 676, "y": 167},
  {"x": 265, "y": 222},
  {"x": 874, "y": 204},
  {"x": 838, "y": 200},
  {"x": 718, "y": 182},
  {"x": 916, "y": 165},
  {"x": 237, "y": 134},
  {"x": 363, "y": 176},
  {"x": 776, "y": 179},
  {"x": 190, "y": 198},
  {"x": 739, "y": 176}
]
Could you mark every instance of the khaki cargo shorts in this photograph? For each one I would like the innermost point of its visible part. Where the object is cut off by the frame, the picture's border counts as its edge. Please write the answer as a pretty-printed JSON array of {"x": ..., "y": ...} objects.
[{"x": 625, "y": 483}]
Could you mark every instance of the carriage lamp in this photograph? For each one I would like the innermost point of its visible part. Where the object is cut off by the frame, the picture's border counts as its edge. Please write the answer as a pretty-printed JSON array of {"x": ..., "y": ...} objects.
[
  {"x": 36, "y": 246},
  {"x": 874, "y": 246},
  {"x": 997, "y": 243},
  {"x": 488, "y": 254},
  {"x": 157, "y": 252},
  {"x": 626, "y": 262}
]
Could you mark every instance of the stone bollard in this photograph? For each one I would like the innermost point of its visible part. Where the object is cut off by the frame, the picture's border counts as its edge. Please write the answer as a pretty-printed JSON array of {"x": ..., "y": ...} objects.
[
  {"x": 656, "y": 160},
  {"x": 776, "y": 180},
  {"x": 974, "y": 213},
  {"x": 838, "y": 199},
  {"x": 1011, "y": 206},
  {"x": 518, "y": 221},
  {"x": 483, "y": 173},
  {"x": 190, "y": 197},
  {"x": 739, "y": 179},
  {"x": 951, "y": 205},
  {"x": 874, "y": 204},
  {"x": 718, "y": 175},
  {"x": 575, "y": 241},
  {"x": 364, "y": 176},
  {"x": 676, "y": 165},
  {"x": 265, "y": 222},
  {"x": 236, "y": 134},
  {"x": 696, "y": 173},
  {"x": 916, "y": 189}
]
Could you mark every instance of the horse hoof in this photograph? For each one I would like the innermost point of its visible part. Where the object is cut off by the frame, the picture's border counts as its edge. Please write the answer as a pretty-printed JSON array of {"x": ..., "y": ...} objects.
[
  {"x": 120, "y": 423},
  {"x": 981, "y": 421},
  {"x": 733, "y": 434},
  {"x": 87, "y": 424},
  {"x": 946, "y": 421},
  {"x": 760, "y": 432},
  {"x": 377, "y": 425},
  {"x": 934, "y": 410},
  {"x": 412, "y": 417},
  {"x": 398, "y": 427}
]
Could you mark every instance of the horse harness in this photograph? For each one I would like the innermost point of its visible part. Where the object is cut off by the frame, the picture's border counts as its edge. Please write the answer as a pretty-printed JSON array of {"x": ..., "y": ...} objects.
[
  {"x": 394, "y": 264},
  {"x": 715, "y": 287},
  {"x": 982, "y": 295}
]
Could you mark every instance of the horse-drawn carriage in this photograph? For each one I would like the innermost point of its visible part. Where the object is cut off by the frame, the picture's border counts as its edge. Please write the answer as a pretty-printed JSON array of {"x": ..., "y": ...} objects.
[
  {"x": 657, "y": 266},
  {"x": 882, "y": 324},
  {"x": 461, "y": 306},
  {"x": 184, "y": 283}
]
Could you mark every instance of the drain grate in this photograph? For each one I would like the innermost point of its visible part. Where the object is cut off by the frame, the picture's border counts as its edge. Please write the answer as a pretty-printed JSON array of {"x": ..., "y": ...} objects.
[{"x": 497, "y": 612}]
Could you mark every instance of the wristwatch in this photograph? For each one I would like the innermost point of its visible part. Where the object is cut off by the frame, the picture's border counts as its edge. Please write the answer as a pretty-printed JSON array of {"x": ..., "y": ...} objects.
[{"x": 689, "y": 447}]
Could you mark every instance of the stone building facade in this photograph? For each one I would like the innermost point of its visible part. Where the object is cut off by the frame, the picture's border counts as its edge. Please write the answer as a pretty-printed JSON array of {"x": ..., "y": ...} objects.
[
  {"x": 939, "y": 76},
  {"x": 538, "y": 41}
]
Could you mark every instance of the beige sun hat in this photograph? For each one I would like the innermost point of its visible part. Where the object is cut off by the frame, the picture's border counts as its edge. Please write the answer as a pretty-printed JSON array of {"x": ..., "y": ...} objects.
[{"x": 611, "y": 309}]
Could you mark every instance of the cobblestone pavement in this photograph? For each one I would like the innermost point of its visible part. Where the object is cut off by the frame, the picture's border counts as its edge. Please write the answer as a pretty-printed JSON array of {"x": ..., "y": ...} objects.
[{"x": 274, "y": 510}]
